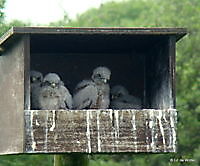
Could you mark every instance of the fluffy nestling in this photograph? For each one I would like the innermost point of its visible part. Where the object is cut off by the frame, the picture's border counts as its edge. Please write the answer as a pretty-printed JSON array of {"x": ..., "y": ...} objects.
[
  {"x": 121, "y": 99},
  {"x": 93, "y": 93},
  {"x": 53, "y": 94},
  {"x": 36, "y": 79}
]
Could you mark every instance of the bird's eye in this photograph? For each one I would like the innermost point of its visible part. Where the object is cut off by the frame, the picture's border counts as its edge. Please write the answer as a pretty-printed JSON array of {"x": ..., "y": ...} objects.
[
  {"x": 33, "y": 79},
  {"x": 46, "y": 83},
  {"x": 98, "y": 75},
  {"x": 119, "y": 95}
]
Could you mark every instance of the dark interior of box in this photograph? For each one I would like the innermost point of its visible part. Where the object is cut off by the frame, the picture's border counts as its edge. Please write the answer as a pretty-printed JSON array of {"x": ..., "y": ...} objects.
[{"x": 138, "y": 62}]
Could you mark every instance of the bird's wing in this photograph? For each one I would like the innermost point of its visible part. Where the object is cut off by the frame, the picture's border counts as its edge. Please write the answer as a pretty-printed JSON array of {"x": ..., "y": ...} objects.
[
  {"x": 123, "y": 105},
  {"x": 134, "y": 100},
  {"x": 83, "y": 84},
  {"x": 130, "y": 101},
  {"x": 69, "y": 102},
  {"x": 120, "y": 105},
  {"x": 65, "y": 97},
  {"x": 86, "y": 95},
  {"x": 35, "y": 97}
]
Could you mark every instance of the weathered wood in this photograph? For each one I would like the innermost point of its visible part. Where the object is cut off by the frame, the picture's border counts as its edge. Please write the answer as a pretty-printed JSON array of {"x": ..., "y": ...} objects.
[
  {"x": 172, "y": 68},
  {"x": 27, "y": 72},
  {"x": 99, "y": 131},
  {"x": 15, "y": 32},
  {"x": 12, "y": 99},
  {"x": 159, "y": 71}
]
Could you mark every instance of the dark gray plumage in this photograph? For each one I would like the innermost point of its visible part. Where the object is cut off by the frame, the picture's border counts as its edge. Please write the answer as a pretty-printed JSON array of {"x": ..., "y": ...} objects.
[
  {"x": 94, "y": 93},
  {"x": 36, "y": 79},
  {"x": 121, "y": 99},
  {"x": 66, "y": 96},
  {"x": 53, "y": 94}
]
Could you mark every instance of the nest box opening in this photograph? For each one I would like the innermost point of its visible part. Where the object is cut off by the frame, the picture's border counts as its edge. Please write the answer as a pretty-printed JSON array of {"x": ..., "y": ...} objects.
[{"x": 140, "y": 63}]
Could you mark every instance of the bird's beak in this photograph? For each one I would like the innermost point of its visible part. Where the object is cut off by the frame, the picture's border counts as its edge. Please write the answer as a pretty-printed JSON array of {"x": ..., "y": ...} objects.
[
  {"x": 105, "y": 80},
  {"x": 53, "y": 85}
]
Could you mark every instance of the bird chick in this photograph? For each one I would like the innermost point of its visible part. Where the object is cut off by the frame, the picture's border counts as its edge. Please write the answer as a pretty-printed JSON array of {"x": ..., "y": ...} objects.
[
  {"x": 36, "y": 79},
  {"x": 121, "y": 99},
  {"x": 53, "y": 94},
  {"x": 93, "y": 93}
]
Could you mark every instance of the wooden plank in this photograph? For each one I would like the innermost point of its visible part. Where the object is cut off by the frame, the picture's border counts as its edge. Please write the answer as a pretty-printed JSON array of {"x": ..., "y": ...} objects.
[
  {"x": 118, "y": 30},
  {"x": 12, "y": 99},
  {"x": 158, "y": 70},
  {"x": 6, "y": 36},
  {"x": 100, "y": 131},
  {"x": 178, "y": 32},
  {"x": 172, "y": 69},
  {"x": 27, "y": 72}
]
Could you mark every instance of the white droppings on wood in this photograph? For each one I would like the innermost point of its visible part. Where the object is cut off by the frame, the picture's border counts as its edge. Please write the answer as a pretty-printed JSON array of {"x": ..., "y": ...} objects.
[
  {"x": 156, "y": 136},
  {"x": 88, "y": 132},
  {"x": 91, "y": 115},
  {"x": 173, "y": 133},
  {"x": 161, "y": 128},
  {"x": 164, "y": 116},
  {"x": 121, "y": 116},
  {"x": 134, "y": 129},
  {"x": 151, "y": 125},
  {"x": 98, "y": 132},
  {"x": 112, "y": 130},
  {"x": 116, "y": 113},
  {"x": 157, "y": 124},
  {"x": 147, "y": 136},
  {"x": 111, "y": 115},
  {"x": 33, "y": 146},
  {"x": 36, "y": 122},
  {"x": 53, "y": 123},
  {"x": 170, "y": 131},
  {"x": 133, "y": 121},
  {"x": 46, "y": 132}
]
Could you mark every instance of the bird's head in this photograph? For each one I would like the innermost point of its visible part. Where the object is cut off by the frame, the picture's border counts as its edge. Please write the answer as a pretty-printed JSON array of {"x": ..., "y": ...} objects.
[
  {"x": 101, "y": 75},
  {"x": 52, "y": 80},
  {"x": 118, "y": 91},
  {"x": 36, "y": 76}
]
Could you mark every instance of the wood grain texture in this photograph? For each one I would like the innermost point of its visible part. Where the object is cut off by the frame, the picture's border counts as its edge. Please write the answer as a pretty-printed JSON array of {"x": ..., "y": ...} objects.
[
  {"x": 12, "y": 99},
  {"x": 100, "y": 131},
  {"x": 16, "y": 31}
]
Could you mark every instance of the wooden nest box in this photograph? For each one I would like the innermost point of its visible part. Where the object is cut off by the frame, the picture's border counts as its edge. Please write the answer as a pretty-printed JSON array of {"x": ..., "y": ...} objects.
[{"x": 141, "y": 59}]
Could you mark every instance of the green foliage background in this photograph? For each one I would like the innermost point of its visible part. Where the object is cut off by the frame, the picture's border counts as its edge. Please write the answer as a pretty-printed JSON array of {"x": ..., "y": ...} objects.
[{"x": 144, "y": 13}]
